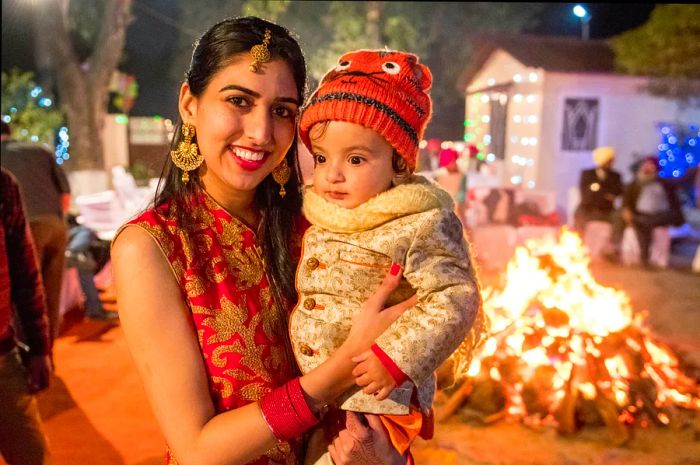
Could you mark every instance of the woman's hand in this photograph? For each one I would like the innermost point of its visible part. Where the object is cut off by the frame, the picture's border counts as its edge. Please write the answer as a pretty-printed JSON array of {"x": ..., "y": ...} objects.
[
  {"x": 326, "y": 382},
  {"x": 364, "y": 445},
  {"x": 374, "y": 319}
]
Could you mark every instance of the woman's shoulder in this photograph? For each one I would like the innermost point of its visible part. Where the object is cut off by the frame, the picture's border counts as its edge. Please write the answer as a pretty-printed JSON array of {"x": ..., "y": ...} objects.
[{"x": 145, "y": 229}]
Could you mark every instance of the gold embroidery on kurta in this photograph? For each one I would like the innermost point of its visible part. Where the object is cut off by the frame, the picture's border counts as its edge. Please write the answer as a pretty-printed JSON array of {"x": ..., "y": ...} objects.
[
  {"x": 253, "y": 391},
  {"x": 160, "y": 236},
  {"x": 216, "y": 270},
  {"x": 194, "y": 286},
  {"x": 247, "y": 264},
  {"x": 232, "y": 234},
  {"x": 223, "y": 385}
]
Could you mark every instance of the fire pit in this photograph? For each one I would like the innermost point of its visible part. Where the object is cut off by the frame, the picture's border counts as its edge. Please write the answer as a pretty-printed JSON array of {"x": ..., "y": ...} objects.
[{"x": 566, "y": 351}]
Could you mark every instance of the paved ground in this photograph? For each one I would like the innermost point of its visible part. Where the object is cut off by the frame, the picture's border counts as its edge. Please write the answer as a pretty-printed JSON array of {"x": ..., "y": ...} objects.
[{"x": 96, "y": 413}]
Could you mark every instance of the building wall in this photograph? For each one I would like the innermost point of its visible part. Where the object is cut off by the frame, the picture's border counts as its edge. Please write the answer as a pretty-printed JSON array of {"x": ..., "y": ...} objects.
[
  {"x": 627, "y": 120},
  {"x": 504, "y": 77}
]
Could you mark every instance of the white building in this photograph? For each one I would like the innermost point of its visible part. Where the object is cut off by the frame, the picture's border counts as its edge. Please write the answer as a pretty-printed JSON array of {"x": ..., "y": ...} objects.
[{"x": 539, "y": 105}]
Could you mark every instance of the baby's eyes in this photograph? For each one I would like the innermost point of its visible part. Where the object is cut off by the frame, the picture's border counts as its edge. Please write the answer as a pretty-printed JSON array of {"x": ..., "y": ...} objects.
[
  {"x": 355, "y": 160},
  {"x": 319, "y": 159}
]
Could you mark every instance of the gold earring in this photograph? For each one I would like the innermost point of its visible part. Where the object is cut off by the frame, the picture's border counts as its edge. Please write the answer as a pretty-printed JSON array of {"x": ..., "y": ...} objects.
[
  {"x": 187, "y": 156},
  {"x": 281, "y": 175}
]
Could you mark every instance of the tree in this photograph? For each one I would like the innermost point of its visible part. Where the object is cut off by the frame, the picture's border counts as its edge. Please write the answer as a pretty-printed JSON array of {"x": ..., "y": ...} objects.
[
  {"x": 27, "y": 109},
  {"x": 436, "y": 31},
  {"x": 666, "y": 48},
  {"x": 84, "y": 53}
]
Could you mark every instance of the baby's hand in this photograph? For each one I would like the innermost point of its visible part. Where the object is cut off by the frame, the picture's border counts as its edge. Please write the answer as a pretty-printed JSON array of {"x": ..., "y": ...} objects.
[{"x": 371, "y": 374}]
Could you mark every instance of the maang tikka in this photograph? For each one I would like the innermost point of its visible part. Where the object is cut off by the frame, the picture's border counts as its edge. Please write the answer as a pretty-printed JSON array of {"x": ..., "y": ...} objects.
[
  {"x": 187, "y": 156},
  {"x": 260, "y": 53}
]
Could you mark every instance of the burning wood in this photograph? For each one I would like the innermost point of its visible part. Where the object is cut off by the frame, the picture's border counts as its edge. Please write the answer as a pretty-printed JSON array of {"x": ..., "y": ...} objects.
[{"x": 566, "y": 351}]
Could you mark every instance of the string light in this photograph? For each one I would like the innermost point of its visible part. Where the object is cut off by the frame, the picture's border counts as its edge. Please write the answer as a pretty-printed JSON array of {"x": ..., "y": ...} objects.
[{"x": 678, "y": 150}]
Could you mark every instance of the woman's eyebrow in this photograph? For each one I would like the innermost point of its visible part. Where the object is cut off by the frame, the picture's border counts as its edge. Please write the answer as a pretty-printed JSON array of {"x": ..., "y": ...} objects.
[{"x": 254, "y": 94}]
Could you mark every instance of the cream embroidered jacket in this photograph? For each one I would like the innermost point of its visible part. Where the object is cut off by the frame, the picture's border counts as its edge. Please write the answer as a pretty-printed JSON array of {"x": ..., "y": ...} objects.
[{"x": 346, "y": 254}]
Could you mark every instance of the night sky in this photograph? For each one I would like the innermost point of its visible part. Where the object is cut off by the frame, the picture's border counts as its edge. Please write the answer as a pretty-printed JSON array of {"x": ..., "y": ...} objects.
[{"x": 152, "y": 40}]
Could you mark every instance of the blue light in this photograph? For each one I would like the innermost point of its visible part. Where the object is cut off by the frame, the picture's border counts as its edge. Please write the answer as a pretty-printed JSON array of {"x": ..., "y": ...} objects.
[
  {"x": 45, "y": 102},
  {"x": 580, "y": 11},
  {"x": 35, "y": 92},
  {"x": 6, "y": 118}
]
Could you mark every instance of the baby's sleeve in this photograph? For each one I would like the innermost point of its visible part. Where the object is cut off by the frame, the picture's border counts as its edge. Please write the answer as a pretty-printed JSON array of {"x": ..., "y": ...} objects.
[{"x": 439, "y": 267}]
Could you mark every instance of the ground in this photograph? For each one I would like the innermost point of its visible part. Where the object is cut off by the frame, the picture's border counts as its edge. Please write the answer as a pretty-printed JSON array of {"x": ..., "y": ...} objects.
[{"x": 96, "y": 412}]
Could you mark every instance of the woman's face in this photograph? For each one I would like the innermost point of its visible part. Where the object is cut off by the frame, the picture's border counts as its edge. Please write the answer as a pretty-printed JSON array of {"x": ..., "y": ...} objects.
[{"x": 245, "y": 123}]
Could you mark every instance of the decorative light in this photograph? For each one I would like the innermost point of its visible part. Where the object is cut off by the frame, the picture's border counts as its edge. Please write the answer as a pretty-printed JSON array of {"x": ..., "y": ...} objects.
[
  {"x": 491, "y": 81},
  {"x": 485, "y": 119},
  {"x": 491, "y": 157},
  {"x": 487, "y": 139},
  {"x": 35, "y": 92},
  {"x": 532, "y": 119},
  {"x": 62, "y": 147},
  {"x": 484, "y": 98},
  {"x": 533, "y": 76},
  {"x": 423, "y": 144},
  {"x": 531, "y": 184},
  {"x": 530, "y": 98},
  {"x": 517, "y": 98},
  {"x": 516, "y": 179},
  {"x": 6, "y": 118},
  {"x": 517, "y": 119},
  {"x": 518, "y": 77},
  {"x": 678, "y": 150},
  {"x": 514, "y": 139},
  {"x": 45, "y": 102}
]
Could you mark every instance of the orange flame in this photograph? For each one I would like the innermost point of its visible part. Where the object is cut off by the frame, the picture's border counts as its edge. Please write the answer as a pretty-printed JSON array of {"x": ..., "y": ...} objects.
[{"x": 552, "y": 313}]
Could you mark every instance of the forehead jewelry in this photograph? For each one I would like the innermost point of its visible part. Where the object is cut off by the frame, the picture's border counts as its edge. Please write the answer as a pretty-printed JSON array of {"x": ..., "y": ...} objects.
[{"x": 260, "y": 53}]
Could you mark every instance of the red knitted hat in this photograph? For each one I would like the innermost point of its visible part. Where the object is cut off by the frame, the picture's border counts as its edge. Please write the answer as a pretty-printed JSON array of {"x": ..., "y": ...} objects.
[{"x": 379, "y": 89}]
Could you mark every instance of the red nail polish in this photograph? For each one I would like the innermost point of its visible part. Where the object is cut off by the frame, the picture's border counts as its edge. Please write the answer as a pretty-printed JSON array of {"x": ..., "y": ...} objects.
[{"x": 395, "y": 268}]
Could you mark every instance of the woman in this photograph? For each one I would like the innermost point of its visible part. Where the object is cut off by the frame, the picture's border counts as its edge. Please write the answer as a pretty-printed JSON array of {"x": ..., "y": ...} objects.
[{"x": 205, "y": 279}]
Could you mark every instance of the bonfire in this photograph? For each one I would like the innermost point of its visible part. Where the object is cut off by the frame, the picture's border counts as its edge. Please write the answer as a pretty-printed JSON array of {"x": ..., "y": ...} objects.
[{"x": 566, "y": 351}]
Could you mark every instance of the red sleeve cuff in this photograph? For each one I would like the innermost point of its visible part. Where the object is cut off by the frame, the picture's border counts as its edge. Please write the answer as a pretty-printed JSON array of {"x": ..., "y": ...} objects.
[{"x": 393, "y": 369}]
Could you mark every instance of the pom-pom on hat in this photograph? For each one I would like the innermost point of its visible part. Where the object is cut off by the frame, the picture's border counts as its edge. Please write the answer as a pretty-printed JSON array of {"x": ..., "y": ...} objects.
[
  {"x": 380, "y": 89},
  {"x": 602, "y": 155}
]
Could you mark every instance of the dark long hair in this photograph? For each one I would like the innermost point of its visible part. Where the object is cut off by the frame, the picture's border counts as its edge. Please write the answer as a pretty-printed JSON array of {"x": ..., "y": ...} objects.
[{"x": 277, "y": 228}]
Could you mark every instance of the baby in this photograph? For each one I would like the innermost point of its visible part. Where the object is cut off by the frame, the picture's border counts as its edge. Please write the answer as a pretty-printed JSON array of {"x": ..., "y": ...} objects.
[{"x": 367, "y": 210}]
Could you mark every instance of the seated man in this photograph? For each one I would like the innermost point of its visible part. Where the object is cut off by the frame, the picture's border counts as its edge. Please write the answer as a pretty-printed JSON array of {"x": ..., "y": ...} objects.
[
  {"x": 82, "y": 253},
  {"x": 649, "y": 202},
  {"x": 599, "y": 188}
]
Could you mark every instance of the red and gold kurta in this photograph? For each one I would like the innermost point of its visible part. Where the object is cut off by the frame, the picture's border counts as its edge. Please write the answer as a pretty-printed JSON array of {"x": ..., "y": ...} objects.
[{"x": 218, "y": 264}]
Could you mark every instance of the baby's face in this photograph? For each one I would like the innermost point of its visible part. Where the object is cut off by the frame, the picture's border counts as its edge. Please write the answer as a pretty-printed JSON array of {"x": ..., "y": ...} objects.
[{"x": 352, "y": 163}]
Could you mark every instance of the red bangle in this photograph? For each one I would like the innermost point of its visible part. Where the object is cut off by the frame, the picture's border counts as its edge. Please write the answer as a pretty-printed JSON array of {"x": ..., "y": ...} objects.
[{"x": 286, "y": 412}]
